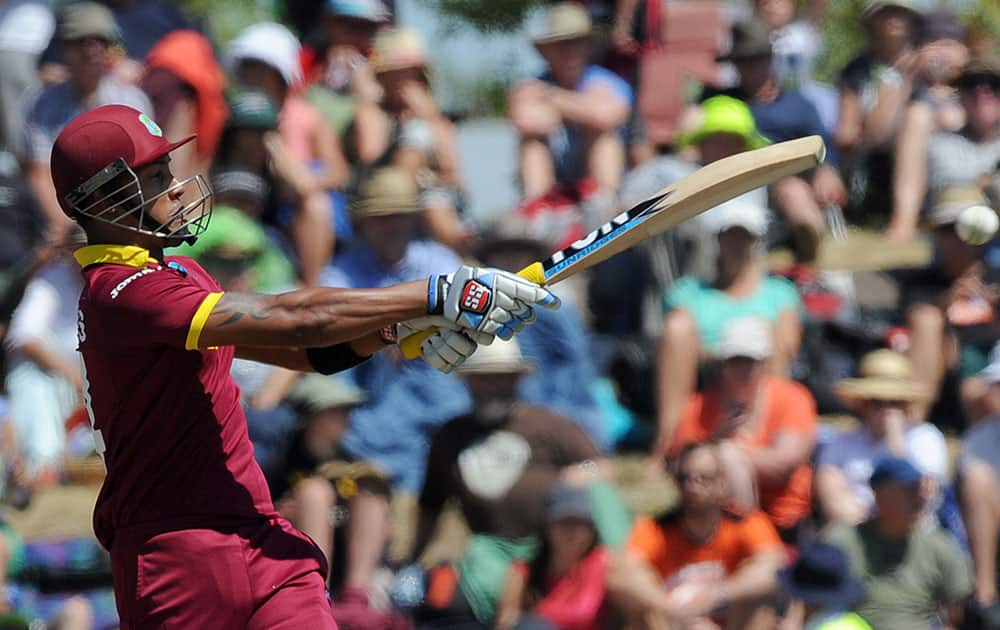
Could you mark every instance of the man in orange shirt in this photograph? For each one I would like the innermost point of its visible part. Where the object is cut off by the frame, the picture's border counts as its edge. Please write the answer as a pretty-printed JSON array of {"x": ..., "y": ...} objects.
[
  {"x": 766, "y": 427},
  {"x": 698, "y": 564}
]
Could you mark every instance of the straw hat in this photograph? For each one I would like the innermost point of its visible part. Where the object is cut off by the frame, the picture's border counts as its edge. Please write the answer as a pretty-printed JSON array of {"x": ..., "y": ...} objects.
[
  {"x": 398, "y": 49},
  {"x": 563, "y": 22},
  {"x": 388, "y": 190},
  {"x": 883, "y": 375},
  {"x": 500, "y": 357},
  {"x": 952, "y": 201}
]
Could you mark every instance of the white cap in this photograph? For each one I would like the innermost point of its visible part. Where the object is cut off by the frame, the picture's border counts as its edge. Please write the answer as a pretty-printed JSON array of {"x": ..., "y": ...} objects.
[
  {"x": 742, "y": 212},
  {"x": 270, "y": 43},
  {"x": 745, "y": 337},
  {"x": 500, "y": 357}
]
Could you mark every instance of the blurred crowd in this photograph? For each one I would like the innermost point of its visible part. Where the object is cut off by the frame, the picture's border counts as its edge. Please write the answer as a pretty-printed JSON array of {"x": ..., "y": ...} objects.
[{"x": 832, "y": 429}]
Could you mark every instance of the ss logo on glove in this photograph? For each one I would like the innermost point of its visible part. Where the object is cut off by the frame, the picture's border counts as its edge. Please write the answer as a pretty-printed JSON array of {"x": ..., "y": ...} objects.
[{"x": 475, "y": 297}]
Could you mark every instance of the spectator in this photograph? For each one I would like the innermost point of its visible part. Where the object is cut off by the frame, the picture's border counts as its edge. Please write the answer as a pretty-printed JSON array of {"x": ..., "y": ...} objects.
[
  {"x": 238, "y": 204},
  {"x": 699, "y": 561},
  {"x": 571, "y": 119},
  {"x": 265, "y": 56},
  {"x": 403, "y": 126},
  {"x": 25, "y": 29},
  {"x": 877, "y": 85},
  {"x": 875, "y": 89},
  {"x": 917, "y": 577},
  {"x": 407, "y": 399},
  {"x": 980, "y": 399},
  {"x": 978, "y": 468},
  {"x": 343, "y": 75},
  {"x": 185, "y": 82},
  {"x": 43, "y": 377},
  {"x": 563, "y": 587},
  {"x": 697, "y": 311},
  {"x": 796, "y": 42},
  {"x": 880, "y": 396},
  {"x": 88, "y": 30},
  {"x": 558, "y": 342},
  {"x": 783, "y": 113},
  {"x": 964, "y": 157},
  {"x": 500, "y": 463},
  {"x": 950, "y": 301},
  {"x": 315, "y": 479},
  {"x": 765, "y": 426},
  {"x": 821, "y": 591},
  {"x": 935, "y": 108}
]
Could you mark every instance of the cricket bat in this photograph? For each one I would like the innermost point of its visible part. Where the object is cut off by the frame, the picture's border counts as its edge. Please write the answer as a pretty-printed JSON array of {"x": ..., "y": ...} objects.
[{"x": 702, "y": 190}]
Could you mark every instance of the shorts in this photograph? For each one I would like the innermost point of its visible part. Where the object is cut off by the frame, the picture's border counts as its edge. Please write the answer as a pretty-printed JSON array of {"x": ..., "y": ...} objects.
[{"x": 252, "y": 575}]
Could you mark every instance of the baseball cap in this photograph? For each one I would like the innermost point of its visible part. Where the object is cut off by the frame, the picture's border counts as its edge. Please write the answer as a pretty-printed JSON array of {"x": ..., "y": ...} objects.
[
  {"x": 748, "y": 337},
  {"x": 500, "y": 357},
  {"x": 978, "y": 69},
  {"x": 741, "y": 212},
  {"x": 942, "y": 24},
  {"x": 314, "y": 393},
  {"x": 87, "y": 19},
  {"x": 725, "y": 114},
  {"x": 369, "y": 10},
  {"x": 269, "y": 43},
  {"x": 396, "y": 49},
  {"x": 895, "y": 470},
  {"x": 751, "y": 39},
  {"x": 872, "y": 7},
  {"x": 238, "y": 181},
  {"x": 252, "y": 109},
  {"x": 96, "y": 138},
  {"x": 951, "y": 202},
  {"x": 566, "y": 501},
  {"x": 821, "y": 576}
]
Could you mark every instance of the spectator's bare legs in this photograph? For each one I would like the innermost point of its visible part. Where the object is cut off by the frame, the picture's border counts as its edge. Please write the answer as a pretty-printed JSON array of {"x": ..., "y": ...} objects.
[
  {"x": 75, "y": 614},
  {"x": 606, "y": 160},
  {"x": 312, "y": 232},
  {"x": 538, "y": 172},
  {"x": 787, "y": 341},
  {"x": 315, "y": 500},
  {"x": 794, "y": 198},
  {"x": 980, "y": 501},
  {"x": 740, "y": 476},
  {"x": 367, "y": 533},
  {"x": 677, "y": 370},
  {"x": 909, "y": 180},
  {"x": 926, "y": 353}
]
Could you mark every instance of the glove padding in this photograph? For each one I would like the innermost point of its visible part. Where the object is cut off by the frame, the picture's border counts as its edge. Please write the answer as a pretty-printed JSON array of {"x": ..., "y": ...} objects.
[
  {"x": 487, "y": 300},
  {"x": 449, "y": 346}
]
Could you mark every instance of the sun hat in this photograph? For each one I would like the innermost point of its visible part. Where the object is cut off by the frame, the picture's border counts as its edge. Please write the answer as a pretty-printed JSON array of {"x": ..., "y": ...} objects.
[
  {"x": 952, "y": 201},
  {"x": 388, "y": 190},
  {"x": 821, "y": 576},
  {"x": 500, "y": 357},
  {"x": 564, "y": 21},
  {"x": 728, "y": 115},
  {"x": 895, "y": 470},
  {"x": 883, "y": 375},
  {"x": 269, "y": 43},
  {"x": 398, "y": 49}
]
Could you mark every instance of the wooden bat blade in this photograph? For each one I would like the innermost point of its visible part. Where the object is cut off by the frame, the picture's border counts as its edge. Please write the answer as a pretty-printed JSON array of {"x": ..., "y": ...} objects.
[{"x": 700, "y": 191}]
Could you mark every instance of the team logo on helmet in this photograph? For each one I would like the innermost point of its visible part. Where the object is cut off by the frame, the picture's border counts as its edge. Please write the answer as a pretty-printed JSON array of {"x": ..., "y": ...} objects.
[{"x": 151, "y": 126}]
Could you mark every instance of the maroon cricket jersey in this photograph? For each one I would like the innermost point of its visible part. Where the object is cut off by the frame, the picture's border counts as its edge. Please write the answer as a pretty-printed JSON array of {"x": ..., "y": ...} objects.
[{"x": 166, "y": 415}]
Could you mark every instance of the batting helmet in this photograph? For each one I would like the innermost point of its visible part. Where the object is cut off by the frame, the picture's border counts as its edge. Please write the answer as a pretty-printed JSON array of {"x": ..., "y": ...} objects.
[{"x": 94, "y": 162}]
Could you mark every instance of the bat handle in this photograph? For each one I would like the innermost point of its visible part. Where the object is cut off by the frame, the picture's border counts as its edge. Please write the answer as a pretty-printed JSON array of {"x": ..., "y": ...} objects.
[{"x": 411, "y": 345}]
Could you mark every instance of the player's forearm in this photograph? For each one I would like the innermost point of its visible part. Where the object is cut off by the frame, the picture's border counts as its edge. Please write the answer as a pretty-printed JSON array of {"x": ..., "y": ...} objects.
[
  {"x": 38, "y": 353},
  {"x": 311, "y": 318},
  {"x": 755, "y": 580}
]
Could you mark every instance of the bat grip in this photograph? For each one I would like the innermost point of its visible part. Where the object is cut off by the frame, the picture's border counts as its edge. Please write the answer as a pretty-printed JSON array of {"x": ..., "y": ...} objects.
[{"x": 411, "y": 345}]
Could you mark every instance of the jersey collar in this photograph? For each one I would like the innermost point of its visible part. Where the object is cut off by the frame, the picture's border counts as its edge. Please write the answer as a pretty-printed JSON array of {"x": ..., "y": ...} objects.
[{"x": 131, "y": 255}]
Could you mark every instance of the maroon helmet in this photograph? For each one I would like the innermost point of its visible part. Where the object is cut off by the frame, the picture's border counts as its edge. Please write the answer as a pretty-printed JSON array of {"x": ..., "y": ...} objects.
[{"x": 94, "y": 162}]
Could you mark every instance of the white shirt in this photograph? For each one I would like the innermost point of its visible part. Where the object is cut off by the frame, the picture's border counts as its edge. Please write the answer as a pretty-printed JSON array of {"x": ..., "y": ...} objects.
[
  {"x": 48, "y": 311},
  {"x": 856, "y": 452}
]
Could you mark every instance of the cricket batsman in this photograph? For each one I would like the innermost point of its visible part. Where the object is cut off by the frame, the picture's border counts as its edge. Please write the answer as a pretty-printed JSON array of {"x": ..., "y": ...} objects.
[{"x": 184, "y": 511}]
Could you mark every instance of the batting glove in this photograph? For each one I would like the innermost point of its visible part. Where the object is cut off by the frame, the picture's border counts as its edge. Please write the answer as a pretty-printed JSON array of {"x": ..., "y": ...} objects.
[
  {"x": 449, "y": 346},
  {"x": 487, "y": 300}
]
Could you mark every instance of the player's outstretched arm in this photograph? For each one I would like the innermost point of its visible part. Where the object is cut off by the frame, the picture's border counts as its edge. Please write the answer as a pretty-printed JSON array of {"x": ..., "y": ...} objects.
[{"x": 310, "y": 317}]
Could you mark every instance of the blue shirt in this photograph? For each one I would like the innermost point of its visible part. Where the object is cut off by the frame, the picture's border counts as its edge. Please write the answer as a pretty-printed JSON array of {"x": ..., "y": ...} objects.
[{"x": 408, "y": 400}]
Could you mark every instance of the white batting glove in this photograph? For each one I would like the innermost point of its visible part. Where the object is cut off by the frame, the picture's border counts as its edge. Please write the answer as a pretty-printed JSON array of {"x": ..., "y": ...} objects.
[
  {"x": 449, "y": 346},
  {"x": 487, "y": 300}
]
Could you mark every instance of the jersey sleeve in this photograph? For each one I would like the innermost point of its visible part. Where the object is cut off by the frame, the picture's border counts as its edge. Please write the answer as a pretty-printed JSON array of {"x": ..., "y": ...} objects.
[
  {"x": 797, "y": 409},
  {"x": 154, "y": 306},
  {"x": 758, "y": 534}
]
